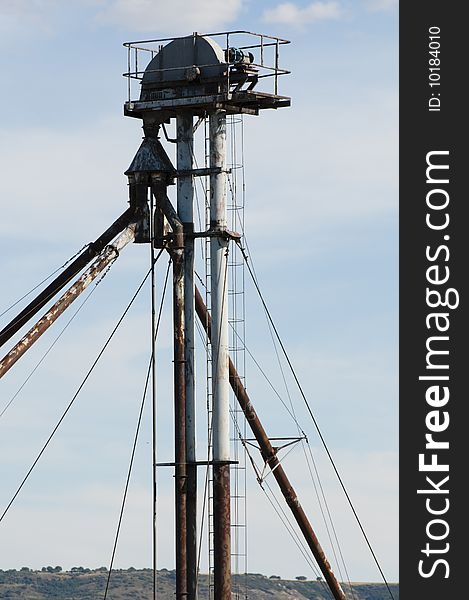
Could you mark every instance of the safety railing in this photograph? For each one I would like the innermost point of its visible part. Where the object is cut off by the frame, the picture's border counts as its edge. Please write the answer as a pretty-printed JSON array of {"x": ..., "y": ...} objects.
[{"x": 264, "y": 51}]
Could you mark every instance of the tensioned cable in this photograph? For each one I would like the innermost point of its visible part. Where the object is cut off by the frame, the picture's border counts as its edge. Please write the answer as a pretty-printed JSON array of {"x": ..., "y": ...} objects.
[
  {"x": 155, "y": 329},
  {"x": 137, "y": 430},
  {"x": 304, "y": 443},
  {"x": 305, "y": 550},
  {"x": 299, "y": 542},
  {"x": 204, "y": 507},
  {"x": 43, "y": 281},
  {"x": 293, "y": 415},
  {"x": 80, "y": 387},
  {"x": 276, "y": 505},
  {"x": 285, "y": 521},
  {"x": 126, "y": 489},
  {"x": 352, "y": 590},
  {"x": 201, "y": 334},
  {"x": 96, "y": 283},
  {"x": 263, "y": 373},
  {"x": 273, "y": 388},
  {"x": 316, "y": 425},
  {"x": 291, "y": 412},
  {"x": 287, "y": 390}
]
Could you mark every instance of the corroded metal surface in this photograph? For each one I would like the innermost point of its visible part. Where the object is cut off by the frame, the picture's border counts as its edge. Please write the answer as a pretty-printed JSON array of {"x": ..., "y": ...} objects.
[
  {"x": 180, "y": 425},
  {"x": 221, "y": 531},
  {"x": 176, "y": 248},
  {"x": 91, "y": 251},
  {"x": 220, "y": 344},
  {"x": 109, "y": 254},
  {"x": 151, "y": 157},
  {"x": 185, "y": 209}
]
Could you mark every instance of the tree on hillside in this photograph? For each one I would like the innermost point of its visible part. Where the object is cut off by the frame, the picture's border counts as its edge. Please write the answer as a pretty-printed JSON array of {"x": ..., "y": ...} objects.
[{"x": 301, "y": 578}]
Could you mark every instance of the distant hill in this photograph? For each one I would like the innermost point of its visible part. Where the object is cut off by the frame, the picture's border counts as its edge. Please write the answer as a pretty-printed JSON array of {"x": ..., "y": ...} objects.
[{"x": 86, "y": 584}]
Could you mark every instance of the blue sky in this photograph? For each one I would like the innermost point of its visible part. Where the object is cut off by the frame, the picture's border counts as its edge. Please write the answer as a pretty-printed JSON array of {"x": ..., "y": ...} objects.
[{"x": 321, "y": 221}]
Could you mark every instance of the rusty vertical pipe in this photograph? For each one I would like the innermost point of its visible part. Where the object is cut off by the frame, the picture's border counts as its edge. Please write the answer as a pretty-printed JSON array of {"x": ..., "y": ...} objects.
[
  {"x": 270, "y": 457},
  {"x": 221, "y": 531},
  {"x": 185, "y": 209},
  {"x": 177, "y": 253},
  {"x": 180, "y": 423}
]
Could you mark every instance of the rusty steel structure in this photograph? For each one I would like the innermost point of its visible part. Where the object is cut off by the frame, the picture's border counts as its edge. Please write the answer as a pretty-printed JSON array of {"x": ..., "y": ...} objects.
[
  {"x": 185, "y": 78},
  {"x": 194, "y": 76},
  {"x": 176, "y": 249},
  {"x": 180, "y": 423},
  {"x": 269, "y": 455},
  {"x": 79, "y": 263},
  {"x": 109, "y": 254},
  {"x": 185, "y": 209},
  {"x": 219, "y": 243}
]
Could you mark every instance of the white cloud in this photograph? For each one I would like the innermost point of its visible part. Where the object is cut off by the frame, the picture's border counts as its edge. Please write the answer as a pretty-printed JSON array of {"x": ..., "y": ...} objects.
[
  {"x": 381, "y": 5},
  {"x": 291, "y": 14},
  {"x": 18, "y": 15},
  {"x": 176, "y": 16},
  {"x": 23, "y": 7}
]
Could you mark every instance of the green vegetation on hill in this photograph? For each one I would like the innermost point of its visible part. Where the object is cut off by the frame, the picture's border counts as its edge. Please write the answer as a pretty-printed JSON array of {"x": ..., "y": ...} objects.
[{"x": 86, "y": 584}]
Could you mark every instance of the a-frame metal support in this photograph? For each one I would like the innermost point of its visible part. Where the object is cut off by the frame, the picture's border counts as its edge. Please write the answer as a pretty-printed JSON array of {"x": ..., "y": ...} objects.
[{"x": 270, "y": 457}]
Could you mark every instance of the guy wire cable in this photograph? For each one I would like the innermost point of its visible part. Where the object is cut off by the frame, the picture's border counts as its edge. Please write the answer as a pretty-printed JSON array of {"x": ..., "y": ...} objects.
[
  {"x": 134, "y": 446},
  {"x": 80, "y": 387},
  {"x": 43, "y": 281},
  {"x": 44, "y": 356},
  {"x": 316, "y": 425}
]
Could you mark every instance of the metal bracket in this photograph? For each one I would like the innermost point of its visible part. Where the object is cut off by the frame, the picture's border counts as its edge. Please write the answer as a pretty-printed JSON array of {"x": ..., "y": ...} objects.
[
  {"x": 200, "y": 172},
  {"x": 199, "y": 463},
  {"x": 291, "y": 441},
  {"x": 225, "y": 233}
]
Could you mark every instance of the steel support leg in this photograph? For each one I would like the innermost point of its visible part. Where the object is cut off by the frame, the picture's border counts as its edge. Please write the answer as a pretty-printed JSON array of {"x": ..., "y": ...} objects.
[
  {"x": 220, "y": 377},
  {"x": 185, "y": 208},
  {"x": 180, "y": 425},
  {"x": 270, "y": 456}
]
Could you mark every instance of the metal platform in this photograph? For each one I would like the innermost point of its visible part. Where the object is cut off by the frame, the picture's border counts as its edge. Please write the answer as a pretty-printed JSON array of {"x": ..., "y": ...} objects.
[{"x": 204, "y": 72}]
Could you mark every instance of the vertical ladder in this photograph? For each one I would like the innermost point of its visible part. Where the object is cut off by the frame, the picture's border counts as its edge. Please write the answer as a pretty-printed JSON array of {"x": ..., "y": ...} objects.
[
  {"x": 237, "y": 323},
  {"x": 208, "y": 354},
  {"x": 236, "y": 311}
]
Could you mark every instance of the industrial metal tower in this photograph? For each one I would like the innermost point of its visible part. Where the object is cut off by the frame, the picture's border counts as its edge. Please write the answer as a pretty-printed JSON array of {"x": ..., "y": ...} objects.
[{"x": 189, "y": 77}]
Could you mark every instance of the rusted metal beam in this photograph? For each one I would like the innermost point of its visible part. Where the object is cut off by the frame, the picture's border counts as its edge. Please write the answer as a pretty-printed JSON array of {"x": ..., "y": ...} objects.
[
  {"x": 270, "y": 457},
  {"x": 176, "y": 248},
  {"x": 108, "y": 255},
  {"x": 221, "y": 531},
  {"x": 185, "y": 209},
  {"x": 180, "y": 425},
  {"x": 90, "y": 252}
]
